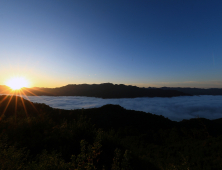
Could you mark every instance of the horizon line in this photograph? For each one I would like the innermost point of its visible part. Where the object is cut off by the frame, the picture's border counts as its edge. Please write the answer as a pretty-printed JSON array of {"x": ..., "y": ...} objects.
[{"x": 127, "y": 85}]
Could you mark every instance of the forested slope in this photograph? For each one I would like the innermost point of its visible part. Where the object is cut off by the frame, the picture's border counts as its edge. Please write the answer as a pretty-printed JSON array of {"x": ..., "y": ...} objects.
[{"x": 109, "y": 137}]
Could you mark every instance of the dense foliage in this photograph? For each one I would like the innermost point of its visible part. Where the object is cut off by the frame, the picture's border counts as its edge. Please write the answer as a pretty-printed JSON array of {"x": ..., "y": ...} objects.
[{"x": 110, "y": 137}]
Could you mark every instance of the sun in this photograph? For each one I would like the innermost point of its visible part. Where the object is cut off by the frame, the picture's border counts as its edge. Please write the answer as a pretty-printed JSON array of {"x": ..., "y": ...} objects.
[{"x": 17, "y": 83}]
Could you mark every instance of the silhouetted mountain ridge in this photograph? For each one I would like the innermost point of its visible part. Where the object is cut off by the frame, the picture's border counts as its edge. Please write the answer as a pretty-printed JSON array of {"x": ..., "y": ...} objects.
[
  {"x": 105, "y": 90},
  {"x": 109, "y": 90},
  {"x": 196, "y": 91}
]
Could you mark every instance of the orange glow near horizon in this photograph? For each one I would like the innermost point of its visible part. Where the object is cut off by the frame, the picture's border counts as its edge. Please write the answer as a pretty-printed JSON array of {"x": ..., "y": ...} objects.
[
  {"x": 16, "y": 83},
  {"x": 17, "y": 92}
]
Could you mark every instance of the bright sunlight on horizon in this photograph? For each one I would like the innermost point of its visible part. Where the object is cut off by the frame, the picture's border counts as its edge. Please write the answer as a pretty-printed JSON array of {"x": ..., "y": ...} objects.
[
  {"x": 16, "y": 83},
  {"x": 153, "y": 43}
]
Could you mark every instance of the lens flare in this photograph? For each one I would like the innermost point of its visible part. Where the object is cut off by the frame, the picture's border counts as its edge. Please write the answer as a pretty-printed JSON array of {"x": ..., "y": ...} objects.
[{"x": 16, "y": 83}]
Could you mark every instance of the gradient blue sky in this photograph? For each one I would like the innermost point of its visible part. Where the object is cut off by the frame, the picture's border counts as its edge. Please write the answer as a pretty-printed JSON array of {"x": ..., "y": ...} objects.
[{"x": 145, "y": 43}]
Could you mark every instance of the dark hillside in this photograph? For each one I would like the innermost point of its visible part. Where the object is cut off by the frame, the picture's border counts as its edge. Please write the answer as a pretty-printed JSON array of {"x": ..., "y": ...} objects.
[
  {"x": 106, "y": 90},
  {"x": 109, "y": 137}
]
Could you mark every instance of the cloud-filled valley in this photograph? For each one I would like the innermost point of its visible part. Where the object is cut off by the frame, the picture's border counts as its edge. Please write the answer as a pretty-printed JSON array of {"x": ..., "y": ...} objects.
[{"x": 175, "y": 108}]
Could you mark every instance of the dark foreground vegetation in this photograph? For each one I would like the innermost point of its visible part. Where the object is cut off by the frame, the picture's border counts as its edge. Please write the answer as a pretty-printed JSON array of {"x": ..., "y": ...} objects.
[
  {"x": 105, "y": 90},
  {"x": 110, "y": 137}
]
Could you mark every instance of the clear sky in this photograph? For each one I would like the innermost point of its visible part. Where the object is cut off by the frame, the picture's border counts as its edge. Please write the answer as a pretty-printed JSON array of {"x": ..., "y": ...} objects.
[{"x": 146, "y": 43}]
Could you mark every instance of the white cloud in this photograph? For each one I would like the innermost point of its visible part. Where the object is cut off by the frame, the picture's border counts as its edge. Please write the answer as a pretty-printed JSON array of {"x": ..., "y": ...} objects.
[{"x": 175, "y": 108}]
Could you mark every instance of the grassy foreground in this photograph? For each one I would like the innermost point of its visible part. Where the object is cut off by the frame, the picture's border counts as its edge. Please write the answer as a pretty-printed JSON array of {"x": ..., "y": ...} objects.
[{"x": 110, "y": 137}]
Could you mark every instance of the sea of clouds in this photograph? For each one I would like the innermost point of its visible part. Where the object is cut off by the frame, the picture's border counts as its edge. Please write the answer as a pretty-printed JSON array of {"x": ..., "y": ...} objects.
[{"x": 174, "y": 108}]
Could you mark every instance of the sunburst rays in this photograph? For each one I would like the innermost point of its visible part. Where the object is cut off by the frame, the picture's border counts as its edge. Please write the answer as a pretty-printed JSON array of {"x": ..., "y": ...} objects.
[
  {"x": 22, "y": 93},
  {"x": 6, "y": 105}
]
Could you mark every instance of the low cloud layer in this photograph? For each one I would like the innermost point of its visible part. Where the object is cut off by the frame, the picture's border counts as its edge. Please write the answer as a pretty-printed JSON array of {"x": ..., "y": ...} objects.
[{"x": 175, "y": 108}]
